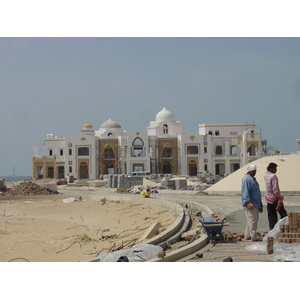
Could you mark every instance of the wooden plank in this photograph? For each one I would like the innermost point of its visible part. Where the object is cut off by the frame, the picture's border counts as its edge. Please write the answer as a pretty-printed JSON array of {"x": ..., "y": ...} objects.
[{"x": 215, "y": 225}]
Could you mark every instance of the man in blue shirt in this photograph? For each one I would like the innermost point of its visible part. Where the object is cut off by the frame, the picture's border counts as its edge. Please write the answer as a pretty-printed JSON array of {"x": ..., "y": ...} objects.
[{"x": 251, "y": 201}]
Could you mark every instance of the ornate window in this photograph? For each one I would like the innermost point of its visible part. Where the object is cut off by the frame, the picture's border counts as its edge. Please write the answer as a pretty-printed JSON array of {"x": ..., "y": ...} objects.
[
  {"x": 137, "y": 147},
  {"x": 167, "y": 152},
  {"x": 219, "y": 150},
  {"x": 108, "y": 153},
  {"x": 165, "y": 129},
  {"x": 83, "y": 151},
  {"x": 192, "y": 150}
]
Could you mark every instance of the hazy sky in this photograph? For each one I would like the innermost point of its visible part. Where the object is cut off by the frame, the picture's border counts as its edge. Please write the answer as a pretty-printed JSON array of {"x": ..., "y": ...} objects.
[{"x": 54, "y": 85}]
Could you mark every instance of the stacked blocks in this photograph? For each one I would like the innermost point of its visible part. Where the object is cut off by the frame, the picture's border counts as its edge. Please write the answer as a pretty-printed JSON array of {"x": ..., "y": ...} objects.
[{"x": 290, "y": 233}]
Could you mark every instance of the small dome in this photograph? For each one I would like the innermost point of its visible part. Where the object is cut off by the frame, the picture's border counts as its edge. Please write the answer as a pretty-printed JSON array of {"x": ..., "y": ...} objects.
[
  {"x": 87, "y": 125},
  {"x": 110, "y": 124},
  {"x": 164, "y": 116}
]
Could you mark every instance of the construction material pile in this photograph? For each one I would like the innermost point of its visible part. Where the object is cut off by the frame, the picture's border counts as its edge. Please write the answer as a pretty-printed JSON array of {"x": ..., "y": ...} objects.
[
  {"x": 233, "y": 236},
  {"x": 138, "y": 189},
  {"x": 28, "y": 188},
  {"x": 290, "y": 233}
]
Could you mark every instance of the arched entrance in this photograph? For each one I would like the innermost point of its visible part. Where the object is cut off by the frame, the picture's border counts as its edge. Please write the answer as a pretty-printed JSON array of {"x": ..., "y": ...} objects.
[
  {"x": 192, "y": 168},
  {"x": 83, "y": 170},
  {"x": 61, "y": 172},
  {"x": 166, "y": 168},
  {"x": 109, "y": 168},
  {"x": 50, "y": 172}
]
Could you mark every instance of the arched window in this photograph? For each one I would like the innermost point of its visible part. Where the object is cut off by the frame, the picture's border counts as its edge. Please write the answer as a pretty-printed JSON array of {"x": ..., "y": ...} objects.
[
  {"x": 83, "y": 151},
  {"x": 210, "y": 132},
  {"x": 219, "y": 150},
  {"x": 233, "y": 150},
  {"x": 165, "y": 129},
  {"x": 138, "y": 146},
  {"x": 108, "y": 153},
  {"x": 251, "y": 150},
  {"x": 167, "y": 152},
  {"x": 217, "y": 132},
  {"x": 192, "y": 150}
]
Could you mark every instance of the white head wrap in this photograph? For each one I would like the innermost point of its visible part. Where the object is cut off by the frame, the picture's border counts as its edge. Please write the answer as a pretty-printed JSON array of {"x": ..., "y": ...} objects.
[{"x": 251, "y": 168}]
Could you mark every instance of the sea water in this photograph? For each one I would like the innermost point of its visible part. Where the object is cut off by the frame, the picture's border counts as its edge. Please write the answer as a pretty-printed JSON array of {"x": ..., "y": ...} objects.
[{"x": 15, "y": 178}]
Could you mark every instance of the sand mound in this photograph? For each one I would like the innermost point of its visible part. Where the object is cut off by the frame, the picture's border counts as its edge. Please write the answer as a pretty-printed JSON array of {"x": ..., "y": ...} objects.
[
  {"x": 153, "y": 183},
  {"x": 287, "y": 172},
  {"x": 189, "y": 182},
  {"x": 150, "y": 183}
]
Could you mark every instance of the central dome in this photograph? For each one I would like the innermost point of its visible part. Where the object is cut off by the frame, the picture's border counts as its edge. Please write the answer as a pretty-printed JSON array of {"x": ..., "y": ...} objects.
[
  {"x": 110, "y": 124},
  {"x": 164, "y": 116}
]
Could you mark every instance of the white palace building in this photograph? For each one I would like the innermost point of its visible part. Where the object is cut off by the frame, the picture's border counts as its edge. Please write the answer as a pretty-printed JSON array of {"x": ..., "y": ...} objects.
[{"x": 164, "y": 148}]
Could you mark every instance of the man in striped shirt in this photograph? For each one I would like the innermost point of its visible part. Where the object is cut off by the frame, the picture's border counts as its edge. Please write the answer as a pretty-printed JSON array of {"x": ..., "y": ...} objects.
[{"x": 272, "y": 196}]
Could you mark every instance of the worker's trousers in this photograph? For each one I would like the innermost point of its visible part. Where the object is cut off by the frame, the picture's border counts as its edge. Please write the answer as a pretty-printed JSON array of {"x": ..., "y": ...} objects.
[
  {"x": 252, "y": 220},
  {"x": 272, "y": 213}
]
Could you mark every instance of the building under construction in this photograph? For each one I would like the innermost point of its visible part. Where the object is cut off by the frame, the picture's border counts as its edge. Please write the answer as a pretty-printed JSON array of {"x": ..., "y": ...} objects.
[{"x": 217, "y": 149}]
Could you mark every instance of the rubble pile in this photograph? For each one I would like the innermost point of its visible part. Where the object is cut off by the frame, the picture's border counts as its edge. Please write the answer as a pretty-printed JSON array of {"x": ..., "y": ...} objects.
[
  {"x": 138, "y": 189},
  {"x": 28, "y": 188},
  {"x": 61, "y": 182},
  {"x": 290, "y": 233}
]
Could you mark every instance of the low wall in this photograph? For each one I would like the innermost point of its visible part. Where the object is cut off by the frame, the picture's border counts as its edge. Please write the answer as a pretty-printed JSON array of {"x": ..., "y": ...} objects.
[
  {"x": 183, "y": 251},
  {"x": 34, "y": 197}
]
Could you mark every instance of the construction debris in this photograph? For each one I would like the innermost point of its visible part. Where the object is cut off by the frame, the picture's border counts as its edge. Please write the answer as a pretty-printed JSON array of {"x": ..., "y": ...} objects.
[
  {"x": 28, "y": 188},
  {"x": 62, "y": 182},
  {"x": 138, "y": 189}
]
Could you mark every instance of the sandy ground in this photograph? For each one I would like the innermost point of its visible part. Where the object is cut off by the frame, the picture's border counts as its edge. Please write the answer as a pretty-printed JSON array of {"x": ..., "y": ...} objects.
[{"x": 54, "y": 231}]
